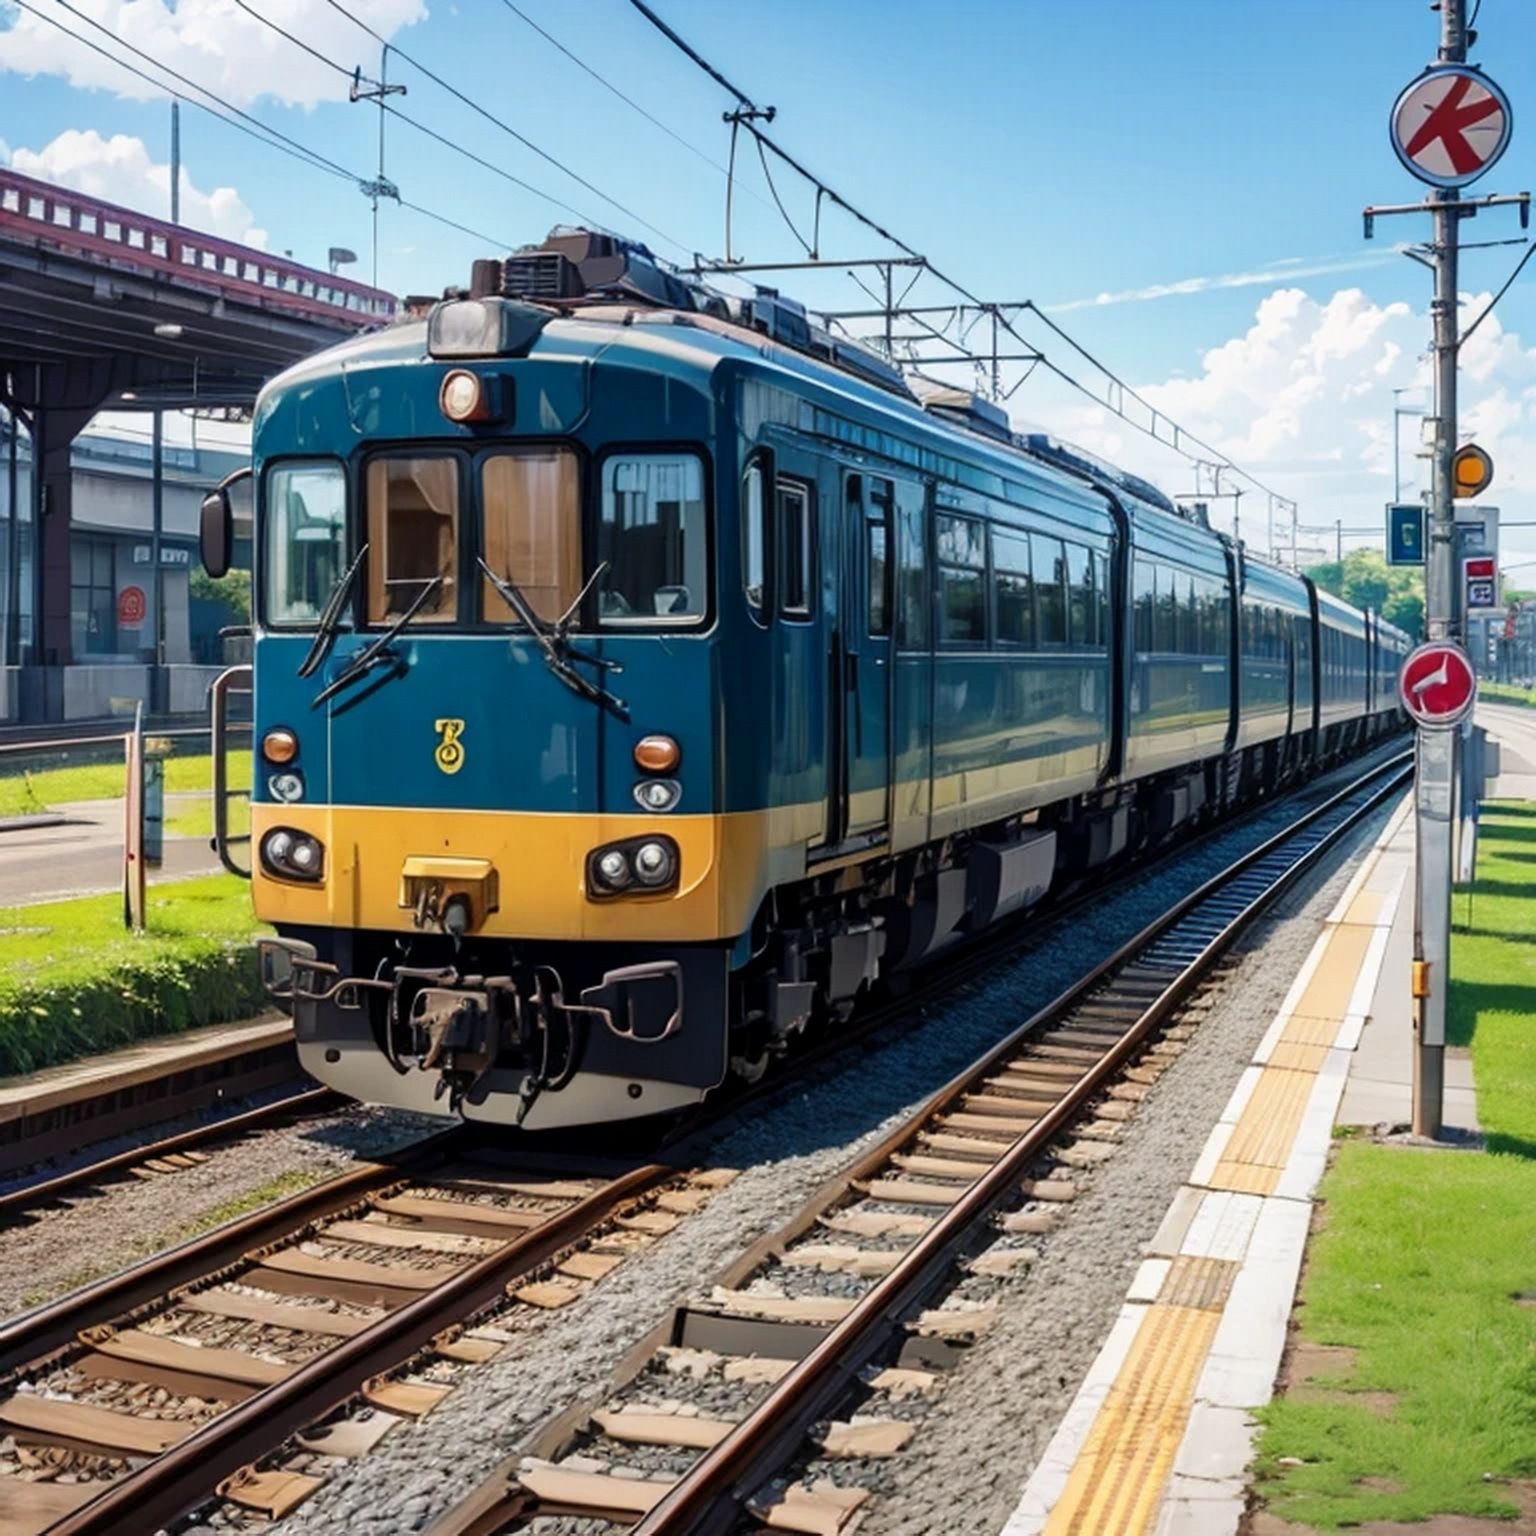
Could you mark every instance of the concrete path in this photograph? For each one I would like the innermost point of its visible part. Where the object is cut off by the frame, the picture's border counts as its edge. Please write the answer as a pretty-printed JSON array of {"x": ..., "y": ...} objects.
[
  {"x": 1514, "y": 726},
  {"x": 84, "y": 855}
]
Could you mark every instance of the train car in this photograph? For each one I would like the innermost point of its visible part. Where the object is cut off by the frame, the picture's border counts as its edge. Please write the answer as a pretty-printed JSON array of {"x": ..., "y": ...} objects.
[{"x": 640, "y": 678}]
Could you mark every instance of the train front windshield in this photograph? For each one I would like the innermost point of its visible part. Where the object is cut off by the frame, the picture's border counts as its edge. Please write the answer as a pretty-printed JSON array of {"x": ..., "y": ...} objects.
[{"x": 430, "y": 516}]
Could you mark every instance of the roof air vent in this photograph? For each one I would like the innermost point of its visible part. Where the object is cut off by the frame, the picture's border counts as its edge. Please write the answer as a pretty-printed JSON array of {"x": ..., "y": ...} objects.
[{"x": 970, "y": 410}]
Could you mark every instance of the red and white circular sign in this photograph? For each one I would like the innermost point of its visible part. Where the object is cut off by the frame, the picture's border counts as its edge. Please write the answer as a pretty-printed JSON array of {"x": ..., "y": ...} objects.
[
  {"x": 1450, "y": 125},
  {"x": 131, "y": 607},
  {"x": 1437, "y": 684}
]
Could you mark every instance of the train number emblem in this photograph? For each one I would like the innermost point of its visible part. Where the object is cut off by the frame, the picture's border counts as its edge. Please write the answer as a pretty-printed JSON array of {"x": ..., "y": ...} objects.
[{"x": 450, "y": 750}]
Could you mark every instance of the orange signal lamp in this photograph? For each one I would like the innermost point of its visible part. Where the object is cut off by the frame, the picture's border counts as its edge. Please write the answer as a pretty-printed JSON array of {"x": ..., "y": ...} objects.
[
  {"x": 464, "y": 397},
  {"x": 1471, "y": 470},
  {"x": 280, "y": 746},
  {"x": 657, "y": 754}
]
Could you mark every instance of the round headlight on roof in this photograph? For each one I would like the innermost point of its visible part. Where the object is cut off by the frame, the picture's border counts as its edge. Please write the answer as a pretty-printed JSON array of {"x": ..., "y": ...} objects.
[{"x": 464, "y": 396}]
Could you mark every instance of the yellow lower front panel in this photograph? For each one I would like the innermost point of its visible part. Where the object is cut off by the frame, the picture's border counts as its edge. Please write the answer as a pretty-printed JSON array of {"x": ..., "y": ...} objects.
[{"x": 539, "y": 862}]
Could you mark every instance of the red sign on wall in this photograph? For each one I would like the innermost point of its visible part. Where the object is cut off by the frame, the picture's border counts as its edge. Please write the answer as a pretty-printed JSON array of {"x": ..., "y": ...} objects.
[{"x": 131, "y": 607}]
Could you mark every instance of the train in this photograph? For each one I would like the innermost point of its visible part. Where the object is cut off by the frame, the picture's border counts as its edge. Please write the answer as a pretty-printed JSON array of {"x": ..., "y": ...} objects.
[{"x": 644, "y": 676}]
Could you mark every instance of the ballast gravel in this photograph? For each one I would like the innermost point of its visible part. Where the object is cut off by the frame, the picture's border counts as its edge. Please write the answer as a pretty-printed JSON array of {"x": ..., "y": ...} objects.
[
  {"x": 1002, "y": 1404},
  {"x": 98, "y": 1231}
]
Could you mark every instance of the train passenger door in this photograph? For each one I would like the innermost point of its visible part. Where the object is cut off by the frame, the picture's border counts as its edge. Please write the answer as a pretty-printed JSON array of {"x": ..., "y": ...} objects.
[{"x": 858, "y": 801}]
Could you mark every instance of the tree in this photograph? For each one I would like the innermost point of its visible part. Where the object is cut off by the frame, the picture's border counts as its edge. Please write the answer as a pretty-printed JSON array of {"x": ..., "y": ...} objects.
[
  {"x": 1364, "y": 579},
  {"x": 232, "y": 590}
]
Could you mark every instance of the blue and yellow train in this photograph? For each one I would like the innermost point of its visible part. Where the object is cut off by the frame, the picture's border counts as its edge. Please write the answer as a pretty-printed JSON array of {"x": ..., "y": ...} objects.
[{"x": 640, "y": 677}]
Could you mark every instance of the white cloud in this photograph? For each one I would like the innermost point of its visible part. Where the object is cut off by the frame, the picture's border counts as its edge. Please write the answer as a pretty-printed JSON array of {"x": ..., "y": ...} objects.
[
  {"x": 1304, "y": 398},
  {"x": 1285, "y": 269},
  {"x": 213, "y": 42},
  {"x": 5, "y": 153},
  {"x": 120, "y": 170}
]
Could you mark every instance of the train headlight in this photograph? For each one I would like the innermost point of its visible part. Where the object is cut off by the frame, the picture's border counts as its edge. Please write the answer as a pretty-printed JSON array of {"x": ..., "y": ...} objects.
[
  {"x": 280, "y": 746},
  {"x": 614, "y": 869},
  {"x": 286, "y": 787},
  {"x": 291, "y": 855},
  {"x": 658, "y": 794},
  {"x": 647, "y": 864},
  {"x": 464, "y": 397},
  {"x": 654, "y": 863}
]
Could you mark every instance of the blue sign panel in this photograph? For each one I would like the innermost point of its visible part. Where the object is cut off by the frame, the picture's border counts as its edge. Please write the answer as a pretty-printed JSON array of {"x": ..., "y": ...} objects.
[{"x": 1405, "y": 533}]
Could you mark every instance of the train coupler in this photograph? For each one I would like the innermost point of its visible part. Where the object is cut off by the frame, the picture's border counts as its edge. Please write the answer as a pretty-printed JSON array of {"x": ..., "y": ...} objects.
[{"x": 456, "y": 1033}]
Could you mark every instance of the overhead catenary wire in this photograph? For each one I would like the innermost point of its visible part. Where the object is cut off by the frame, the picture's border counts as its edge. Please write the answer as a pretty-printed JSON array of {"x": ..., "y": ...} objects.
[
  {"x": 608, "y": 85},
  {"x": 420, "y": 127},
  {"x": 503, "y": 125},
  {"x": 1181, "y": 436},
  {"x": 232, "y": 115}
]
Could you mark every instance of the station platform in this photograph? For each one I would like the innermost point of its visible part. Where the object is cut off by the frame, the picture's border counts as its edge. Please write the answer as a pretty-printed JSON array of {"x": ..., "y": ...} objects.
[{"x": 1159, "y": 1437}]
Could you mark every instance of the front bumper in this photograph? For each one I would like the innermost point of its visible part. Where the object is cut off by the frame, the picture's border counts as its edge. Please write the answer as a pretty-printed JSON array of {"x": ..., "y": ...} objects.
[{"x": 646, "y": 1036}]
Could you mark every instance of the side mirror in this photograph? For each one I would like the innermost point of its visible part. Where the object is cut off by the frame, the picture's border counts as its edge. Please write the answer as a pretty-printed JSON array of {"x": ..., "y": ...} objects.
[{"x": 216, "y": 533}]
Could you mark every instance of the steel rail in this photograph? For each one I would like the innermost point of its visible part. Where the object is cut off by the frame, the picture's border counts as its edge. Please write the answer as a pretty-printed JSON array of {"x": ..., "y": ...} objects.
[
  {"x": 166, "y": 1486},
  {"x": 16, "y": 1204},
  {"x": 26, "y": 1338},
  {"x": 709, "y": 1498}
]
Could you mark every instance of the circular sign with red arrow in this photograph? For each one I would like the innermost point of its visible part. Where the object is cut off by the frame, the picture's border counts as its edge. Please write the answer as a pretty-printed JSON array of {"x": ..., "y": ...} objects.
[
  {"x": 1437, "y": 684},
  {"x": 1450, "y": 125}
]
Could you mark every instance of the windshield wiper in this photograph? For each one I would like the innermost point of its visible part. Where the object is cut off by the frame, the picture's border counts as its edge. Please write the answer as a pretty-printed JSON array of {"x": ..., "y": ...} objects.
[
  {"x": 330, "y": 616},
  {"x": 554, "y": 643},
  {"x": 379, "y": 652}
]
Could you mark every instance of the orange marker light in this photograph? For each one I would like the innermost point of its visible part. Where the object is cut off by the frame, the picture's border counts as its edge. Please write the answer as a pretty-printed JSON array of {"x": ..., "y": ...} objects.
[
  {"x": 279, "y": 746},
  {"x": 657, "y": 754}
]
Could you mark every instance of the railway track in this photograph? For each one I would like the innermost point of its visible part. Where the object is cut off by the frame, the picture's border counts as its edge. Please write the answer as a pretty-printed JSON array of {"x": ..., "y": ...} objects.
[
  {"x": 165, "y": 1154},
  {"x": 925, "y": 1205},
  {"x": 231, "y": 1343}
]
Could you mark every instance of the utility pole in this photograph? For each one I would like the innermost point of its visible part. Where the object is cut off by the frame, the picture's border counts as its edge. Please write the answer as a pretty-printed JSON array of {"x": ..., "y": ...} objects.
[
  {"x": 1448, "y": 127},
  {"x": 1442, "y": 621},
  {"x": 381, "y": 186}
]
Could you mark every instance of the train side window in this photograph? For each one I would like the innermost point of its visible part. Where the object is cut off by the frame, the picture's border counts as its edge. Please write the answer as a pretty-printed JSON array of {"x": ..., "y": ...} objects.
[
  {"x": 754, "y": 558},
  {"x": 531, "y": 531},
  {"x": 962, "y": 550},
  {"x": 1146, "y": 605},
  {"x": 1101, "y": 596},
  {"x": 653, "y": 533},
  {"x": 912, "y": 567},
  {"x": 795, "y": 565},
  {"x": 1165, "y": 628},
  {"x": 1081, "y": 612},
  {"x": 1049, "y": 562},
  {"x": 1015, "y": 594},
  {"x": 413, "y": 536},
  {"x": 877, "y": 533}
]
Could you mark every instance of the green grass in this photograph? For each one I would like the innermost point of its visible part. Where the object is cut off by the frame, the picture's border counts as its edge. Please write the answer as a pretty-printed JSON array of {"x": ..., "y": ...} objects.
[
  {"x": 23, "y": 794},
  {"x": 1506, "y": 693},
  {"x": 73, "y": 980},
  {"x": 1421, "y": 1256}
]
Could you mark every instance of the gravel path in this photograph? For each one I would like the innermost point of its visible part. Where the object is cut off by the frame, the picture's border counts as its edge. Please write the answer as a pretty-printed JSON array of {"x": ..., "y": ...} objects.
[
  {"x": 797, "y": 1141},
  {"x": 98, "y": 1232}
]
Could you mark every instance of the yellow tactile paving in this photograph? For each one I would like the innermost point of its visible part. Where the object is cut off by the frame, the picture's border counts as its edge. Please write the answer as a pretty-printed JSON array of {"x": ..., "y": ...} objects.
[
  {"x": 1260, "y": 1145},
  {"x": 1333, "y": 982},
  {"x": 1117, "y": 1481},
  {"x": 1192, "y": 1282},
  {"x": 1366, "y": 907},
  {"x": 1297, "y": 1057},
  {"x": 1303, "y": 1030}
]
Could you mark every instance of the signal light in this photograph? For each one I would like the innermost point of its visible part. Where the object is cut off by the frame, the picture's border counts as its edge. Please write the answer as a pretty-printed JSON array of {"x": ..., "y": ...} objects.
[{"x": 638, "y": 865}]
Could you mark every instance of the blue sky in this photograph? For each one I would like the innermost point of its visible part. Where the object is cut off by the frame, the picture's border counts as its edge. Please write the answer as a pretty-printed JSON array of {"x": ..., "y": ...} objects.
[{"x": 1057, "y": 152}]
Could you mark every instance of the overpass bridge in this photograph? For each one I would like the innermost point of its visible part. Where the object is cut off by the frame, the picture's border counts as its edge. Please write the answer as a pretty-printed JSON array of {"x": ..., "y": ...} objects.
[{"x": 105, "y": 308}]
